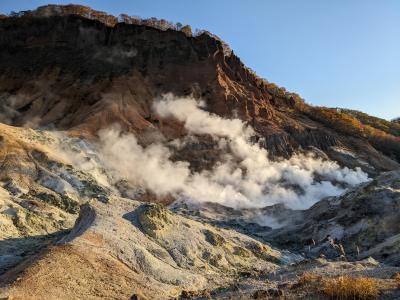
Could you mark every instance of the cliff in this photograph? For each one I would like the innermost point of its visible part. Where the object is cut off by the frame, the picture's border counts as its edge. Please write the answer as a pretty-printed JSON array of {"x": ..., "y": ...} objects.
[{"x": 76, "y": 69}]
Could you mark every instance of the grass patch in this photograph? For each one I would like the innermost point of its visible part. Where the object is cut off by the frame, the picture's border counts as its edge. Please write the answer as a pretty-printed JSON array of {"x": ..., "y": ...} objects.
[
  {"x": 340, "y": 287},
  {"x": 346, "y": 287}
]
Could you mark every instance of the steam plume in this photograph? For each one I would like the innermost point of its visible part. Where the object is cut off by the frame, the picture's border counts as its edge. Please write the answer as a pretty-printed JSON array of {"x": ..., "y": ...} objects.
[{"x": 244, "y": 178}]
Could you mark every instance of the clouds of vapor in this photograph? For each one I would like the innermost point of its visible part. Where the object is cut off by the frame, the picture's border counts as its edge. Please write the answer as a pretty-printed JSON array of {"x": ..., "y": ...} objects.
[
  {"x": 245, "y": 177},
  {"x": 199, "y": 121},
  {"x": 14, "y": 110},
  {"x": 7, "y": 109},
  {"x": 150, "y": 167}
]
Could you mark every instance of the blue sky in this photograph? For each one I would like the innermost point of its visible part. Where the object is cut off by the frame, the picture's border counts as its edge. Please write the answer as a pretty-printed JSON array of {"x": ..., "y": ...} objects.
[{"x": 343, "y": 53}]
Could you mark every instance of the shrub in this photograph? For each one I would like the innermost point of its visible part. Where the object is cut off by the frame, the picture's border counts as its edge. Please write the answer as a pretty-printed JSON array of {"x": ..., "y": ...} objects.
[
  {"x": 187, "y": 30},
  {"x": 346, "y": 287},
  {"x": 383, "y": 137},
  {"x": 389, "y": 127}
]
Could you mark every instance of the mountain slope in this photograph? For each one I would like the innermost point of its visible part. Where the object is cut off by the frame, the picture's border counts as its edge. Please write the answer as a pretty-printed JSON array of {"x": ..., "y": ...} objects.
[
  {"x": 63, "y": 70},
  {"x": 141, "y": 161}
]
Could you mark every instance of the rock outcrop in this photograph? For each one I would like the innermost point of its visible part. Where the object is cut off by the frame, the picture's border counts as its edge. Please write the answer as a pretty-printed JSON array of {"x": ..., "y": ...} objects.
[{"x": 361, "y": 223}]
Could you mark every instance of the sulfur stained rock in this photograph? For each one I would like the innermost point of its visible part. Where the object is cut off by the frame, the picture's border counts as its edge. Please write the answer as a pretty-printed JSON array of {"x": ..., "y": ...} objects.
[{"x": 154, "y": 219}]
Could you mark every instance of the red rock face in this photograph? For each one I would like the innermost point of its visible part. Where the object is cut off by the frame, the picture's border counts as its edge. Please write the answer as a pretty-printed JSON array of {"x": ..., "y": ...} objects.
[{"x": 81, "y": 75}]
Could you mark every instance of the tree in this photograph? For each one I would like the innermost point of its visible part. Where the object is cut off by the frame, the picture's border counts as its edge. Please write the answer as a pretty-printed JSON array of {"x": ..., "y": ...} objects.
[
  {"x": 124, "y": 18},
  {"x": 187, "y": 30},
  {"x": 165, "y": 25},
  {"x": 14, "y": 14},
  {"x": 178, "y": 26}
]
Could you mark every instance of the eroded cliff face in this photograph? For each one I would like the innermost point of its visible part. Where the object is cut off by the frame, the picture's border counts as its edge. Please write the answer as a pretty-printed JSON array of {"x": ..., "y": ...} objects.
[
  {"x": 74, "y": 73},
  {"x": 90, "y": 63}
]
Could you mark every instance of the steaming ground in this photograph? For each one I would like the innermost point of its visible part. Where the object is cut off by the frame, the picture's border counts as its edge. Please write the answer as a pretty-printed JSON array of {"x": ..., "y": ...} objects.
[
  {"x": 144, "y": 248},
  {"x": 244, "y": 178}
]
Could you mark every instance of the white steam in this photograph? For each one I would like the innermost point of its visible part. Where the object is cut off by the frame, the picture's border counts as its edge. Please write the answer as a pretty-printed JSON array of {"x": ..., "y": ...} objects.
[{"x": 244, "y": 178}]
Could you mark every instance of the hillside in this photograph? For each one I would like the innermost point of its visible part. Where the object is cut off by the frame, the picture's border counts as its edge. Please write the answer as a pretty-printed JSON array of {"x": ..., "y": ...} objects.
[
  {"x": 140, "y": 160},
  {"x": 101, "y": 73}
]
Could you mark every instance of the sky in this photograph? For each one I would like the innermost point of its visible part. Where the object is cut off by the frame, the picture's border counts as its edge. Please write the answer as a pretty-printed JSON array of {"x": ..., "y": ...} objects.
[{"x": 339, "y": 53}]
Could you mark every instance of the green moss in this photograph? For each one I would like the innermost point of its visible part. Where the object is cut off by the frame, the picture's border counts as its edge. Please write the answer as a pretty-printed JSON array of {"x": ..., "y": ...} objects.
[
  {"x": 61, "y": 201},
  {"x": 92, "y": 189},
  {"x": 240, "y": 251},
  {"x": 212, "y": 259},
  {"x": 213, "y": 238},
  {"x": 154, "y": 218},
  {"x": 19, "y": 222}
]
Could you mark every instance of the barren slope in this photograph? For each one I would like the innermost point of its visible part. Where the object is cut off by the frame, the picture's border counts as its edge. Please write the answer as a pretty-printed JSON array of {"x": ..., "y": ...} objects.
[{"x": 63, "y": 70}]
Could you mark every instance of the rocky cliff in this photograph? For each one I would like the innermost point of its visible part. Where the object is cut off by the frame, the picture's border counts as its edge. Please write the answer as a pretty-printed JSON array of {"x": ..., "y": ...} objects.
[{"x": 59, "y": 68}]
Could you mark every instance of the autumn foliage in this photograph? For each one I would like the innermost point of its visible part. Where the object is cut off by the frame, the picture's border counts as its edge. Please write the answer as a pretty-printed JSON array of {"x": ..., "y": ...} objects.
[
  {"x": 87, "y": 12},
  {"x": 341, "y": 287},
  {"x": 346, "y": 287},
  {"x": 382, "y": 134}
]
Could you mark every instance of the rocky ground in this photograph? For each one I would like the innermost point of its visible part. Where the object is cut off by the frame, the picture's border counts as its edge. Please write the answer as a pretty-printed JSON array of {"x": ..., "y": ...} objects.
[
  {"x": 120, "y": 247},
  {"x": 146, "y": 244},
  {"x": 360, "y": 223}
]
